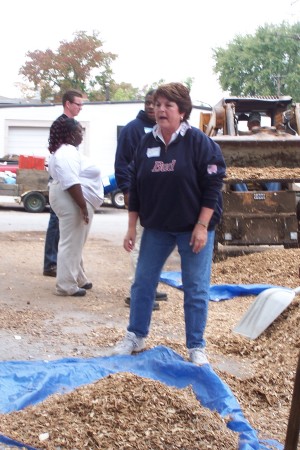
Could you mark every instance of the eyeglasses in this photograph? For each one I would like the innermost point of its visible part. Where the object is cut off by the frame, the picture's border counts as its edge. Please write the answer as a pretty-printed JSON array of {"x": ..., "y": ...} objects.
[{"x": 80, "y": 105}]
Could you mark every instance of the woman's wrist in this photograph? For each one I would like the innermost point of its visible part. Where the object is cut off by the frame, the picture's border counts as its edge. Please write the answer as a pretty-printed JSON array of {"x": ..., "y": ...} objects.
[{"x": 202, "y": 223}]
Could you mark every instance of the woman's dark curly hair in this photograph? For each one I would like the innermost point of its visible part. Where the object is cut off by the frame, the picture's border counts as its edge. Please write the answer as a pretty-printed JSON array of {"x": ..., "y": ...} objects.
[{"x": 61, "y": 132}]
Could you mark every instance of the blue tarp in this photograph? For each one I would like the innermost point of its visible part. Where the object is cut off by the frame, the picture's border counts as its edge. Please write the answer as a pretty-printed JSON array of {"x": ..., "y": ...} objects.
[
  {"x": 220, "y": 291},
  {"x": 24, "y": 383}
]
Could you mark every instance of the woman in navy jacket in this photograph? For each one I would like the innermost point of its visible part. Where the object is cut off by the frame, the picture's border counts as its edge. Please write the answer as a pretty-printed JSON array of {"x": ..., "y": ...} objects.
[{"x": 175, "y": 191}]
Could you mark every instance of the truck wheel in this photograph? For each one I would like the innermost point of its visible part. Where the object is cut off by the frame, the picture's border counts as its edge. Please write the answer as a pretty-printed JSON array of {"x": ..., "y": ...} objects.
[
  {"x": 34, "y": 202},
  {"x": 117, "y": 199}
]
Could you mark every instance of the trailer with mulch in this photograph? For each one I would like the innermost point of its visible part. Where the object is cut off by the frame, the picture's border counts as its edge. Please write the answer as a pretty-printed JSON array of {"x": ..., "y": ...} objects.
[{"x": 30, "y": 187}]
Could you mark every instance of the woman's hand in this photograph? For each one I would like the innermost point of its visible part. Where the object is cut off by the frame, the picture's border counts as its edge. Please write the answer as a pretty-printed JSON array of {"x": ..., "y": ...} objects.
[
  {"x": 199, "y": 238},
  {"x": 129, "y": 239},
  {"x": 199, "y": 235},
  {"x": 85, "y": 214},
  {"x": 76, "y": 193}
]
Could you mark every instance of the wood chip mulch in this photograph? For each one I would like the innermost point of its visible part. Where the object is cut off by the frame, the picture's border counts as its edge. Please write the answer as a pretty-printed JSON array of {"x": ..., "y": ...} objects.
[
  {"x": 262, "y": 173},
  {"x": 125, "y": 411},
  {"x": 121, "y": 411}
]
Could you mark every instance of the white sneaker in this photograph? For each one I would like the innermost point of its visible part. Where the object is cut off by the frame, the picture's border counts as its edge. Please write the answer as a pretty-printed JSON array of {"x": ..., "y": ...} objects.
[
  {"x": 131, "y": 343},
  {"x": 197, "y": 356}
]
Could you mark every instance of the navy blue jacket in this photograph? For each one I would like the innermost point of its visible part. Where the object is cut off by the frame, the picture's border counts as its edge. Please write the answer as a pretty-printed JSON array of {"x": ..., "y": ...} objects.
[
  {"x": 169, "y": 185},
  {"x": 128, "y": 141}
]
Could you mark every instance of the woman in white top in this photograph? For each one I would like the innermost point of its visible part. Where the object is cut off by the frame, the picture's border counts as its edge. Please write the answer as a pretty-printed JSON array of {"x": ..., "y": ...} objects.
[{"x": 75, "y": 193}]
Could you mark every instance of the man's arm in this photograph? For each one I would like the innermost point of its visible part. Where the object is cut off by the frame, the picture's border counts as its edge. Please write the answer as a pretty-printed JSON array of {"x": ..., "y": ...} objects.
[{"x": 128, "y": 141}]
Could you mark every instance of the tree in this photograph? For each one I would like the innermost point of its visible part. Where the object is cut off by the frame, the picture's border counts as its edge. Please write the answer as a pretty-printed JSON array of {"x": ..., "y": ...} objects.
[
  {"x": 113, "y": 91},
  {"x": 74, "y": 65},
  {"x": 80, "y": 64},
  {"x": 267, "y": 63},
  {"x": 189, "y": 83}
]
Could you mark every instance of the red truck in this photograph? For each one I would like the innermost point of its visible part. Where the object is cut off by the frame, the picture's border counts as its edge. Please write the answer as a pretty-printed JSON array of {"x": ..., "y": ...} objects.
[{"x": 8, "y": 165}]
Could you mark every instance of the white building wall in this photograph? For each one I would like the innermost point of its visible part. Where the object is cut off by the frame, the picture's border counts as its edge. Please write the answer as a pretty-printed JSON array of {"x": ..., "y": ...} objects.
[{"x": 27, "y": 128}]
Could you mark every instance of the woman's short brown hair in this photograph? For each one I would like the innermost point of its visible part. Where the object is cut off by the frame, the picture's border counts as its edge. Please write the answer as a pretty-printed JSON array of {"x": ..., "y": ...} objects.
[{"x": 178, "y": 93}]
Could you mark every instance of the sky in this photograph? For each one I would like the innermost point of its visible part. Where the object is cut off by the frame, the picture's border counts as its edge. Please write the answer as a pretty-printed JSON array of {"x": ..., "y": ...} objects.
[{"x": 159, "y": 39}]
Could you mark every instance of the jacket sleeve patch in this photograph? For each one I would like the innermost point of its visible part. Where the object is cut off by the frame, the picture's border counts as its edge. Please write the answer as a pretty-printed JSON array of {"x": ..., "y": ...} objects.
[{"x": 212, "y": 168}]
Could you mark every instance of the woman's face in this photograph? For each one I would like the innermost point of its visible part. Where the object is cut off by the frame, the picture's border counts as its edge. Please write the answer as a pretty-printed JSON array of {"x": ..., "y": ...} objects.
[
  {"x": 167, "y": 114},
  {"x": 78, "y": 135}
]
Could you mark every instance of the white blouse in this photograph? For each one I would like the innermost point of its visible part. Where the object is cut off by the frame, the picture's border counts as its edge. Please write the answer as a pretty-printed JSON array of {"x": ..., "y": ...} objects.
[{"x": 68, "y": 166}]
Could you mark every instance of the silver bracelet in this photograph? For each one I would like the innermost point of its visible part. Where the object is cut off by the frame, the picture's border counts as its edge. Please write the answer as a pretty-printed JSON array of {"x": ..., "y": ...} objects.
[{"x": 202, "y": 223}]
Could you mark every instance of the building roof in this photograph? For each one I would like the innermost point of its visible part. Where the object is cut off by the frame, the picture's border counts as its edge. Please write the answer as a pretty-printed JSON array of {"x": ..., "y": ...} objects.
[{"x": 17, "y": 101}]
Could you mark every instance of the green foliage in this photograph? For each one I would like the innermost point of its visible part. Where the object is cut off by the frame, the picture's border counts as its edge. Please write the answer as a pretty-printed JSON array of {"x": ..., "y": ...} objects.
[
  {"x": 79, "y": 64},
  {"x": 111, "y": 91},
  {"x": 72, "y": 65},
  {"x": 189, "y": 83},
  {"x": 267, "y": 63}
]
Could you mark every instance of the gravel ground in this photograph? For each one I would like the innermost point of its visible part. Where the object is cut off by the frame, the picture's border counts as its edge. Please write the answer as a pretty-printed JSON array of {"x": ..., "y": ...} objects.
[{"x": 36, "y": 324}]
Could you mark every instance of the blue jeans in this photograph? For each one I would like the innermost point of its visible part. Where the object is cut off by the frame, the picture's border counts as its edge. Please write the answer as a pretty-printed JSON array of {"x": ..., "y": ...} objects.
[
  {"x": 156, "y": 247},
  {"x": 51, "y": 242},
  {"x": 240, "y": 187},
  {"x": 273, "y": 186}
]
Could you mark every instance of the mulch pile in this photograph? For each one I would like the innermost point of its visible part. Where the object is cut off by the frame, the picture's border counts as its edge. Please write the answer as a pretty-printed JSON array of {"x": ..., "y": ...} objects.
[
  {"x": 126, "y": 411},
  {"x": 257, "y": 173},
  {"x": 121, "y": 411}
]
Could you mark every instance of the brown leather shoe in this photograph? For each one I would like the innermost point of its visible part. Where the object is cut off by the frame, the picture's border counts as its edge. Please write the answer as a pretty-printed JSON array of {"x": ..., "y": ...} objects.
[
  {"x": 159, "y": 296},
  {"x": 155, "y": 304},
  {"x": 87, "y": 286},
  {"x": 80, "y": 293},
  {"x": 50, "y": 272}
]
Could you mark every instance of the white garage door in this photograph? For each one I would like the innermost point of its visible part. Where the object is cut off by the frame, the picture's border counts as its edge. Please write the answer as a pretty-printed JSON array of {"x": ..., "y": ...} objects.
[{"x": 28, "y": 141}]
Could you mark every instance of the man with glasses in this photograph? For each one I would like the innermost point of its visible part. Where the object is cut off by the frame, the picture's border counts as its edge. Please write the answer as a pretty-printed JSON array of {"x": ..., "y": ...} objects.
[{"x": 72, "y": 102}]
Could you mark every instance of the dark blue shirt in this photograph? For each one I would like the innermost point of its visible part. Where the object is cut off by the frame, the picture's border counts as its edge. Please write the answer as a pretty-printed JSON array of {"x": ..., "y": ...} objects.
[
  {"x": 128, "y": 141},
  {"x": 170, "y": 184}
]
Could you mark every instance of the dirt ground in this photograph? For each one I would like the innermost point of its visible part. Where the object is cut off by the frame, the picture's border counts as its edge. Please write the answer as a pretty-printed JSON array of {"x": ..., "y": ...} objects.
[{"x": 36, "y": 324}]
